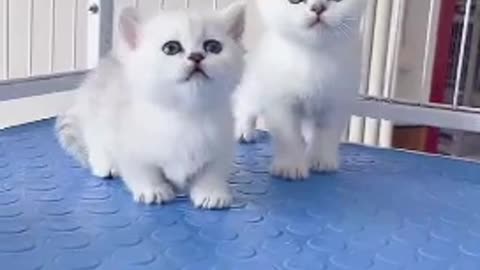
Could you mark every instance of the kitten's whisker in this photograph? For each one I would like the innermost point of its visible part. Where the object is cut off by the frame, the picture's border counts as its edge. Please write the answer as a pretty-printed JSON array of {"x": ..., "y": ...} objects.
[
  {"x": 333, "y": 32},
  {"x": 344, "y": 29}
]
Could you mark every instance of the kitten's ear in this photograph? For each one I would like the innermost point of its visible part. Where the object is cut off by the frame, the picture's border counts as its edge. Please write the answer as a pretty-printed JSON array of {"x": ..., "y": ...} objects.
[
  {"x": 234, "y": 17},
  {"x": 129, "y": 26}
]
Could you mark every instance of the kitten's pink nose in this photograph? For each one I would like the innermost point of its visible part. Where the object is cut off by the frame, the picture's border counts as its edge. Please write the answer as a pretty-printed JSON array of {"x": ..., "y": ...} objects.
[
  {"x": 196, "y": 57},
  {"x": 318, "y": 9}
]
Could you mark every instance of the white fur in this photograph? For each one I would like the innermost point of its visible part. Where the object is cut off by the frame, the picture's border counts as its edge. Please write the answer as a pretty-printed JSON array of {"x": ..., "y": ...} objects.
[
  {"x": 302, "y": 80},
  {"x": 136, "y": 115}
]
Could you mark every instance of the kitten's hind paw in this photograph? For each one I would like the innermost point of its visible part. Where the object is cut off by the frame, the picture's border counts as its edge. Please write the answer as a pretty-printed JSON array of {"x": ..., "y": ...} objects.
[
  {"x": 290, "y": 170},
  {"x": 161, "y": 193},
  {"x": 214, "y": 198}
]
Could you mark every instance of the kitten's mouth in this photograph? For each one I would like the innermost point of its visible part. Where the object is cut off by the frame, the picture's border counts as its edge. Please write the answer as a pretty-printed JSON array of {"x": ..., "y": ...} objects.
[
  {"x": 197, "y": 72},
  {"x": 315, "y": 22}
]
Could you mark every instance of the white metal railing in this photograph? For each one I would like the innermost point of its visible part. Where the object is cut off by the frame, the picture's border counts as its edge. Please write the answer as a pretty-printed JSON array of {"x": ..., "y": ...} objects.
[{"x": 383, "y": 99}]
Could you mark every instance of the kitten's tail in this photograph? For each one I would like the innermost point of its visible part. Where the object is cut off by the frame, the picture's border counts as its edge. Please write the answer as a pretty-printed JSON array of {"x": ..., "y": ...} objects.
[{"x": 67, "y": 129}]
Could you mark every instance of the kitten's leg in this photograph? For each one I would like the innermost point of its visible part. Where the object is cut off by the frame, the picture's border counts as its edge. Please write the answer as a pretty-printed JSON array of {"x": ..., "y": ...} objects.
[
  {"x": 245, "y": 128},
  {"x": 323, "y": 149},
  {"x": 289, "y": 160},
  {"x": 210, "y": 188},
  {"x": 245, "y": 111},
  {"x": 146, "y": 182},
  {"x": 100, "y": 165},
  {"x": 100, "y": 161}
]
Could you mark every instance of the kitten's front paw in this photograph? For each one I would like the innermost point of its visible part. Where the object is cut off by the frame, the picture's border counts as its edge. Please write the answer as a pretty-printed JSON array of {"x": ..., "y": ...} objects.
[
  {"x": 211, "y": 198},
  {"x": 114, "y": 173},
  {"x": 102, "y": 168},
  {"x": 324, "y": 164},
  {"x": 103, "y": 172},
  {"x": 160, "y": 193},
  {"x": 290, "y": 169}
]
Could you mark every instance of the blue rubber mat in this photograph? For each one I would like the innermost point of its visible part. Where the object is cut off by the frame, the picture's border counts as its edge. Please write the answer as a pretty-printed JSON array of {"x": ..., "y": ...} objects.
[{"x": 383, "y": 210}]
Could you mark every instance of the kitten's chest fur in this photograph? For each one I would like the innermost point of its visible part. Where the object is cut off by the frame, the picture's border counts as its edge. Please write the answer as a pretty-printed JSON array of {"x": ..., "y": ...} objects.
[
  {"x": 180, "y": 144},
  {"x": 313, "y": 77}
]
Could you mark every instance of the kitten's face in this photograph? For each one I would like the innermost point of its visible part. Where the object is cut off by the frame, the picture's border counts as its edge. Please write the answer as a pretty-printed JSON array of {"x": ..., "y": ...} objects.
[
  {"x": 315, "y": 22},
  {"x": 189, "y": 59}
]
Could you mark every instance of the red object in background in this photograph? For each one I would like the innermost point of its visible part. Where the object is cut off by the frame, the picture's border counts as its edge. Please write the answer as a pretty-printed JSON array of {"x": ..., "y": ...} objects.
[{"x": 441, "y": 66}]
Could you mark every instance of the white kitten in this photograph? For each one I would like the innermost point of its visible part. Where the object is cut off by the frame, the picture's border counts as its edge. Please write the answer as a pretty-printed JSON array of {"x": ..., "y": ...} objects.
[
  {"x": 303, "y": 76},
  {"x": 159, "y": 113}
]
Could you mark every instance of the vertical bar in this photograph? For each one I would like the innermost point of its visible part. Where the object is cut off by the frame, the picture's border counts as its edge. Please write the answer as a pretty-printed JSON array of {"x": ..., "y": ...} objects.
[
  {"x": 441, "y": 67},
  {"x": 64, "y": 32},
  {"x": 391, "y": 73},
  {"x": 3, "y": 39},
  {"x": 431, "y": 44},
  {"x": 357, "y": 124},
  {"x": 18, "y": 38},
  {"x": 81, "y": 38},
  {"x": 30, "y": 37},
  {"x": 107, "y": 11},
  {"x": 75, "y": 49},
  {"x": 472, "y": 62},
  {"x": 394, "y": 39},
  {"x": 376, "y": 78},
  {"x": 52, "y": 40},
  {"x": 93, "y": 45},
  {"x": 41, "y": 37},
  {"x": 463, "y": 47}
]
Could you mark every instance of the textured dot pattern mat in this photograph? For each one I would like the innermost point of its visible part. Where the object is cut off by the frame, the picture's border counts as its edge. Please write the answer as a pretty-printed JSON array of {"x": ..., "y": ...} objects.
[{"x": 383, "y": 210}]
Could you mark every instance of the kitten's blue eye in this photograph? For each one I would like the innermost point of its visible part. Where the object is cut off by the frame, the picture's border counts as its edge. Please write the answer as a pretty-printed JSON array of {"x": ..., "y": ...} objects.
[
  {"x": 212, "y": 46},
  {"x": 297, "y": 1},
  {"x": 172, "y": 47}
]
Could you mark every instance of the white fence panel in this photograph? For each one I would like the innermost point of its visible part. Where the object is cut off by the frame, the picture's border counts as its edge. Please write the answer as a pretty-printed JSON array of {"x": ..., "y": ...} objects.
[
  {"x": 43, "y": 37},
  {"x": 64, "y": 35},
  {"x": 3, "y": 39},
  {"x": 82, "y": 43},
  {"x": 18, "y": 38}
]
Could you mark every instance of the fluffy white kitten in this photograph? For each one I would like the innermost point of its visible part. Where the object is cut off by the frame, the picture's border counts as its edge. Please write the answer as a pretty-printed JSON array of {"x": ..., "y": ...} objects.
[
  {"x": 158, "y": 112},
  {"x": 302, "y": 79}
]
